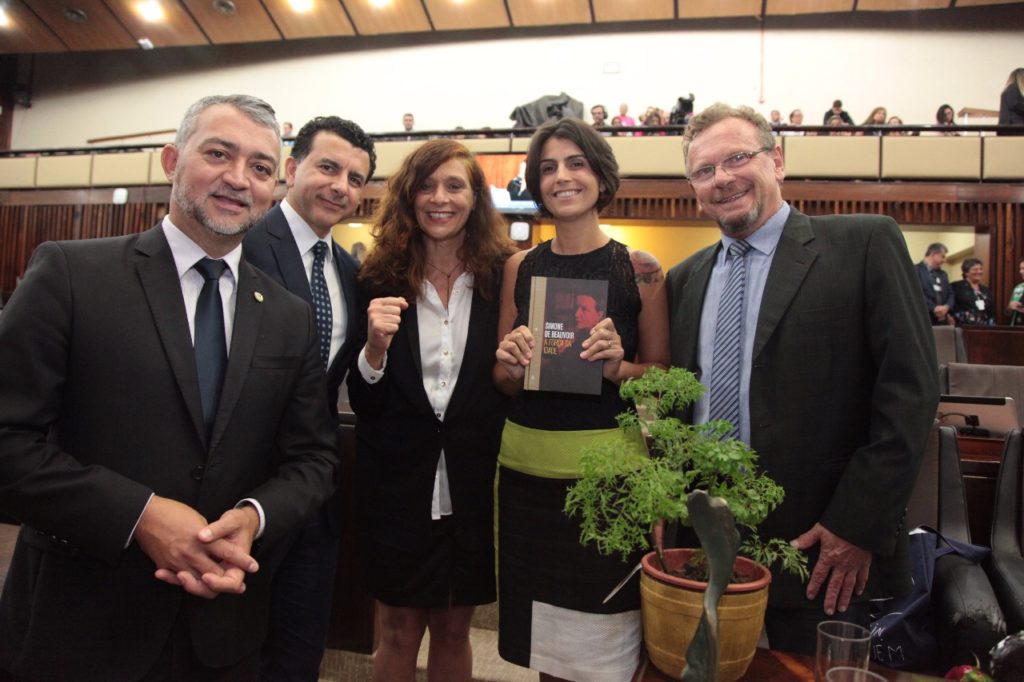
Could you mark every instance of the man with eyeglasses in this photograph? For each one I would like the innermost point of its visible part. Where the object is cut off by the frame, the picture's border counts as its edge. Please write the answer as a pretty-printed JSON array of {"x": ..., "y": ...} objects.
[{"x": 810, "y": 336}]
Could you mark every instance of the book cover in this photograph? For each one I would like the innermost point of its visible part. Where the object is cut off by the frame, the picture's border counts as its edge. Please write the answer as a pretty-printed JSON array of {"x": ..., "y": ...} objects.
[{"x": 562, "y": 313}]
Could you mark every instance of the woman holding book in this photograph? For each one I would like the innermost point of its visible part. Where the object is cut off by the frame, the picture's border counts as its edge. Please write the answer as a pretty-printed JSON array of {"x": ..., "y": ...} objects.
[
  {"x": 551, "y": 589},
  {"x": 429, "y": 417}
]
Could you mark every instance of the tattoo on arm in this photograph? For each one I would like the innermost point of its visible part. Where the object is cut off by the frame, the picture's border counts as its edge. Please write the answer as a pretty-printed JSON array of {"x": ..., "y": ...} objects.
[{"x": 646, "y": 268}]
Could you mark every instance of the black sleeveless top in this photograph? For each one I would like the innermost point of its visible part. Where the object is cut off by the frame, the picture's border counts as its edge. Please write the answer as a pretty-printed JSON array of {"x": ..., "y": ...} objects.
[{"x": 568, "y": 411}]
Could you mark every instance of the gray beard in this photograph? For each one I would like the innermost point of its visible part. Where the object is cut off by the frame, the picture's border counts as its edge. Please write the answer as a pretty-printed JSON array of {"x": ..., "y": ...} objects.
[
  {"x": 740, "y": 227},
  {"x": 193, "y": 210}
]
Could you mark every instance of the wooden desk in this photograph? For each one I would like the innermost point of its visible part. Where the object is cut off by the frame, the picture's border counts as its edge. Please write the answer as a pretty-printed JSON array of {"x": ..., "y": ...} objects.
[
  {"x": 979, "y": 466},
  {"x": 778, "y": 666},
  {"x": 999, "y": 345}
]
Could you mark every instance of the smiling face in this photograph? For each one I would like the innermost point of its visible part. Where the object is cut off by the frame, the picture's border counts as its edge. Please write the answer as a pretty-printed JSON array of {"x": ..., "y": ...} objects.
[
  {"x": 223, "y": 177},
  {"x": 739, "y": 201},
  {"x": 444, "y": 201},
  {"x": 569, "y": 187},
  {"x": 325, "y": 187},
  {"x": 975, "y": 274}
]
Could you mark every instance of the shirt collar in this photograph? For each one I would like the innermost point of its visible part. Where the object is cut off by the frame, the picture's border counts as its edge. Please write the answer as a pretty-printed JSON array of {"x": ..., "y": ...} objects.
[
  {"x": 303, "y": 234},
  {"x": 766, "y": 237},
  {"x": 187, "y": 253}
]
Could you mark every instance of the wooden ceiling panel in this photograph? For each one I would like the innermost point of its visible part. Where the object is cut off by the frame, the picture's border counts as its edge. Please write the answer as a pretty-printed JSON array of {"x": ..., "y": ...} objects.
[
  {"x": 549, "y": 12},
  {"x": 325, "y": 18},
  {"x": 373, "y": 17},
  {"x": 24, "y": 32},
  {"x": 99, "y": 30},
  {"x": 900, "y": 5},
  {"x": 176, "y": 29},
  {"x": 701, "y": 9},
  {"x": 249, "y": 22},
  {"x": 774, "y": 7},
  {"x": 635, "y": 10},
  {"x": 454, "y": 15},
  {"x": 971, "y": 3}
]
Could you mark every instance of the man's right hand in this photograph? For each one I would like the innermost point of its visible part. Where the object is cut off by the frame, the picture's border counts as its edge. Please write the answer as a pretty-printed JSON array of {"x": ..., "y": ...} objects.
[
  {"x": 168, "y": 533},
  {"x": 384, "y": 316}
]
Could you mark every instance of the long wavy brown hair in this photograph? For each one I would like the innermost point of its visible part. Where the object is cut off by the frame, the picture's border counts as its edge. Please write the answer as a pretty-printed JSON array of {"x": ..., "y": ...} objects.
[{"x": 396, "y": 264}]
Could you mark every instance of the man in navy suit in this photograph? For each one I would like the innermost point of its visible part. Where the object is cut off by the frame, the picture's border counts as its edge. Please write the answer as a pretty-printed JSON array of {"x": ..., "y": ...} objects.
[
  {"x": 161, "y": 407},
  {"x": 332, "y": 159}
]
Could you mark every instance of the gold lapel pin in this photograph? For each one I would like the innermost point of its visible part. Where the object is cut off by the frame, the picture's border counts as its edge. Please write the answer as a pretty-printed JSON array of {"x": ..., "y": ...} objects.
[{"x": 258, "y": 296}]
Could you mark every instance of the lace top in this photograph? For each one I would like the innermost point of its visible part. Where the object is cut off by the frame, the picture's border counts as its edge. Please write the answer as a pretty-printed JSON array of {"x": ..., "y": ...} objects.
[{"x": 566, "y": 411}]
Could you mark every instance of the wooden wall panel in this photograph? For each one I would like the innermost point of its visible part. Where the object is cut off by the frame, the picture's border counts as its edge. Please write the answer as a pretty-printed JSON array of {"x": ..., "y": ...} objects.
[
  {"x": 899, "y": 5},
  {"x": 636, "y": 10},
  {"x": 324, "y": 19},
  {"x": 26, "y": 33},
  {"x": 398, "y": 16},
  {"x": 774, "y": 7},
  {"x": 176, "y": 29},
  {"x": 547, "y": 13},
  {"x": 249, "y": 23},
  {"x": 702, "y": 9},
  {"x": 447, "y": 15}
]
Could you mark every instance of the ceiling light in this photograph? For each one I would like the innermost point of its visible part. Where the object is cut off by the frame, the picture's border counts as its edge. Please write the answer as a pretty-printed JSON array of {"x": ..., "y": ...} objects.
[
  {"x": 75, "y": 15},
  {"x": 301, "y": 6},
  {"x": 225, "y": 7},
  {"x": 380, "y": 4},
  {"x": 150, "y": 10},
  {"x": 4, "y": 19},
  {"x": 356, "y": 225},
  {"x": 145, "y": 43}
]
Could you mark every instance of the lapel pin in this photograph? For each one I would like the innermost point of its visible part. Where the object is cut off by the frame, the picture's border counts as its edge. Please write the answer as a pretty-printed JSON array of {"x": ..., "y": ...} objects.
[{"x": 258, "y": 296}]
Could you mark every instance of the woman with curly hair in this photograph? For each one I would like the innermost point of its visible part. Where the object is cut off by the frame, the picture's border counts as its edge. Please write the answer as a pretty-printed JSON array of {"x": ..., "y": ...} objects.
[
  {"x": 553, "y": 617},
  {"x": 429, "y": 418}
]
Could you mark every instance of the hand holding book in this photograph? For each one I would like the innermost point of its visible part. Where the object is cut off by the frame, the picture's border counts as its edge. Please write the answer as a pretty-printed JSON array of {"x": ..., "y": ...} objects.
[
  {"x": 605, "y": 344},
  {"x": 515, "y": 350}
]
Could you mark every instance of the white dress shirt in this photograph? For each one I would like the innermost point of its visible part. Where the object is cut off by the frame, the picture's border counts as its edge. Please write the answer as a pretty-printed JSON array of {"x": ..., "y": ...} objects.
[
  {"x": 442, "y": 346},
  {"x": 306, "y": 239}
]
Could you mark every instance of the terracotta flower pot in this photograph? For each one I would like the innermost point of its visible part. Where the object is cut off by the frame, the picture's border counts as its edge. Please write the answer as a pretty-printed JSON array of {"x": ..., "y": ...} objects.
[{"x": 672, "y": 608}]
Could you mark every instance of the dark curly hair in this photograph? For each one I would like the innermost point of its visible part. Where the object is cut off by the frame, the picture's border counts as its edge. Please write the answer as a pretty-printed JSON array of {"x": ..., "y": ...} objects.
[
  {"x": 345, "y": 129},
  {"x": 596, "y": 150},
  {"x": 396, "y": 264}
]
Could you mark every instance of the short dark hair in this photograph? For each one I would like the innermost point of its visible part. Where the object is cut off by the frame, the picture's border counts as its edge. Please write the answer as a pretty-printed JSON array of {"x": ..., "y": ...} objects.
[
  {"x": 599, "y": 106},
  {"x": 838, "y": 103},
  {"x": 969, "y": 263},
  {"x": 345, "y": 129},
  {"x": 935, "y": 247},
  {"x": 594, "y": 147}
]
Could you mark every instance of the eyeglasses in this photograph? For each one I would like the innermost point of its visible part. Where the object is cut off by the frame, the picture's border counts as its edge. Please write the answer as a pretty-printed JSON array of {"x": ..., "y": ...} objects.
[{"x": 705, "y": 174}]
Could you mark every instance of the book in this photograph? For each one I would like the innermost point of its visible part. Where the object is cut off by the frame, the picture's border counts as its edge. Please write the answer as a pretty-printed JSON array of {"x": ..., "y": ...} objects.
[{"x": 562, "y": 313}]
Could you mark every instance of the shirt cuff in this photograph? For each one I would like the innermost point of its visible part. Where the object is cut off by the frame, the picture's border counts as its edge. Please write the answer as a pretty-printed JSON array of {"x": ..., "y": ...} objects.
[
  {"x": 131, "y": 536},
  {"x": 259, "y": 512},
  {"x": 369, "y": 374}
]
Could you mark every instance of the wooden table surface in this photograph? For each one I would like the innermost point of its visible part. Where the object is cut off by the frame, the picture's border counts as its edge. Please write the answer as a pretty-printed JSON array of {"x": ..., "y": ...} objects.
[{"x": 778, "y": 666}]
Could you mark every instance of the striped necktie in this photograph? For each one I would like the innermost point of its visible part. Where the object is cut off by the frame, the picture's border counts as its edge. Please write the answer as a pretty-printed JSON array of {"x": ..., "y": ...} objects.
[
  {"x": 725, "y": 368},
  {"x": 321, "y": 301}
]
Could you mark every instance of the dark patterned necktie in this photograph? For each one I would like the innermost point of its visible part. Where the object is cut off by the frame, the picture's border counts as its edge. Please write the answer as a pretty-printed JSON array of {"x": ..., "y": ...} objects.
[
  {"x": 210, "y": 345},
  {"x": 725, "y": 368},
  {"x": 321, "y": 301}
]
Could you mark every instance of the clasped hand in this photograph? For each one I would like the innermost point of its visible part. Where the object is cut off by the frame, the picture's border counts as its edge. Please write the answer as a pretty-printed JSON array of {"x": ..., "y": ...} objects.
[
  {"x": 842, "y": 563},
  {"x": 205, "y": 559}
]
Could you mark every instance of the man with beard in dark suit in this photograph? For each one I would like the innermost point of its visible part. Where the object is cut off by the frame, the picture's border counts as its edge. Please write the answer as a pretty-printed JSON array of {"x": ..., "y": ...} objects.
[{"x": 149, "y": 385}]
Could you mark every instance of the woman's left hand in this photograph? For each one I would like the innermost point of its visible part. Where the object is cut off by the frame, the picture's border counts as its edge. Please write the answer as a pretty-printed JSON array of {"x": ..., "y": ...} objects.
[{"x": 604, "y": 343}]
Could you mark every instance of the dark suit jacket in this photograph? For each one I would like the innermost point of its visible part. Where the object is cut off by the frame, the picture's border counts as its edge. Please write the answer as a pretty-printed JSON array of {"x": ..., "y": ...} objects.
[
  {"x": 399, "y": 439},
  {"x": 843, "y": 386},
  {"x": 932, "y": 298},
  {"x": 99, "y": 408},
  {"x": 271, "y": 247}
]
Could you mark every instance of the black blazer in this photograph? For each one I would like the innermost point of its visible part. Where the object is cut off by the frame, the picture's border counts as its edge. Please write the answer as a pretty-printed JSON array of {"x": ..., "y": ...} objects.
[
  {"x": 843, "y": 388},
  {"x": 399, "y": 439},
  {"x": 270, "y": 246},
  {"x": 99, "y": 408},
  {"x": 932, "y": 298},
  {"x": 965, "y": 307}
]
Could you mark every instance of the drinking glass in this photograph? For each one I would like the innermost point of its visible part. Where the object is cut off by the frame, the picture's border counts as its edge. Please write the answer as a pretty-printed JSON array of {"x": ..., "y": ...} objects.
[
  {"x": 847, "y": 674},
  {"x": 841, "y": 645}
]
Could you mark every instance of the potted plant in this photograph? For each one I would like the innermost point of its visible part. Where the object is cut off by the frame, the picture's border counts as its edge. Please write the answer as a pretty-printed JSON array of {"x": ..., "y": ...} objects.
[{"x": 620, "y": 494}]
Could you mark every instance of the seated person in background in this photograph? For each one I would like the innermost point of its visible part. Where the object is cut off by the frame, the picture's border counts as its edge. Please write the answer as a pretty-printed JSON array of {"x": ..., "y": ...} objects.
[
  {"x": 972, "y": 300},
  {"x": 837, "y": 110},
  {"x": 875, "y": 118},
  {"x": 1016, "y": 306},
  {"x": 944, "y": 116},
  {"x": 938, "y": 295},
  {"x": 652, "y": 119},
  {"x": 1011, "y": 102},
  {"x": 896, "y": 121},
  {"x": 599, "y": 114},
  {"x": 627, "y": 121},
  {"x": 838, "y": 122},
  {"x": 776, "y": 118},
  {"x": 796, "y": 118}
]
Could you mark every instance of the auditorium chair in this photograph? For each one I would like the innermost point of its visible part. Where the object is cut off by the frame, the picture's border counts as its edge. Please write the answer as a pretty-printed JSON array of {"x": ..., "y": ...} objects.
[
  {"x": 1006, "y": 564},
  {"x": 966, "y": 614},
  {"x": 949, "y": 344},
  {"x": 1000, "y": 381}
]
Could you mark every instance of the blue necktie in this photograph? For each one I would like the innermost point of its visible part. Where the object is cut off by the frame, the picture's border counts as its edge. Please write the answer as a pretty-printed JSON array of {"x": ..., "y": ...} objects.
[
  {"x": 321, "y": 301},
  {"x": 210, "y": 345},
  {"x": 725, "y": 368}
]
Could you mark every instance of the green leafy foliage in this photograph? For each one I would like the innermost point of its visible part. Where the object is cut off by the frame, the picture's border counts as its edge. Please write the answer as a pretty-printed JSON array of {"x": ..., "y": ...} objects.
[{"x": 621, "y": 493}]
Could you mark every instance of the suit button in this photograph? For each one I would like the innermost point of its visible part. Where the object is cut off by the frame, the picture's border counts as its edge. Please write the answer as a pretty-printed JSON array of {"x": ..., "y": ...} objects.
[{"x": 197, "y": 473}]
